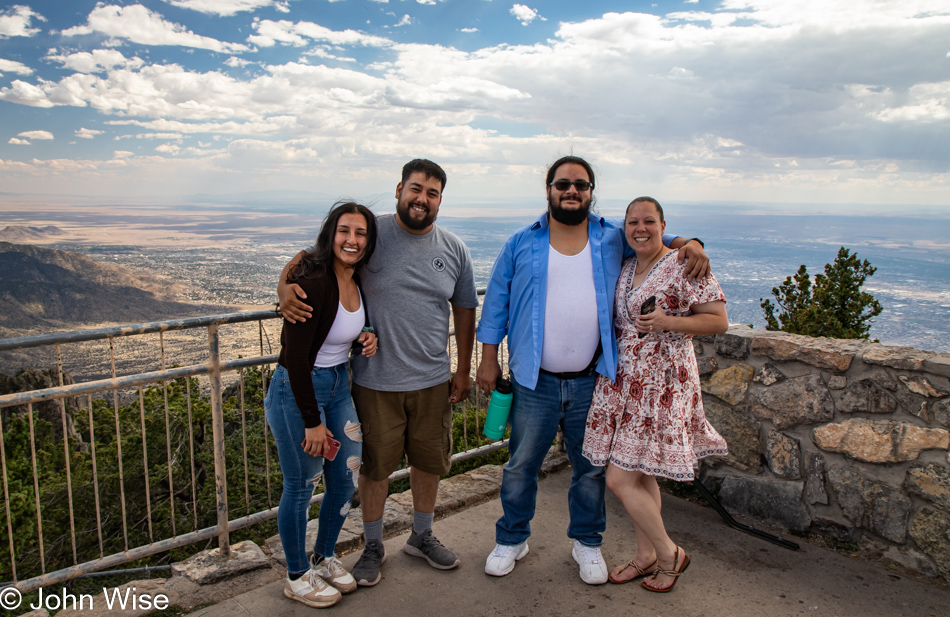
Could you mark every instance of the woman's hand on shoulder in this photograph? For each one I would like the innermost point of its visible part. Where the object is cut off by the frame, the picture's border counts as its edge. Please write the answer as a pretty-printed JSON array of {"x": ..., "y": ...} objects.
[
  {"x": 315, "y": 440},
  {"x": 369, "y": 342}
]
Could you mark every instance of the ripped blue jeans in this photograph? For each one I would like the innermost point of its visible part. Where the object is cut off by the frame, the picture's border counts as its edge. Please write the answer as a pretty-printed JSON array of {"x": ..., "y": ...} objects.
[{"x": 302, "y": 472}]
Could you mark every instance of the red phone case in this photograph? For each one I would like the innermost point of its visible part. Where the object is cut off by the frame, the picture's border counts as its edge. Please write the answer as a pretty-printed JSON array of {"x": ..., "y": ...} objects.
[{"x": 333, "y": 446}]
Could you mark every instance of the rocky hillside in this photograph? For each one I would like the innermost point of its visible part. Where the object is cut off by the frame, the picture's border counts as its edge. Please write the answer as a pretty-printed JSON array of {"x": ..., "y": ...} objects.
[
  {"x": 22, "y": 233},
  {"x": 51, "y": 289}
]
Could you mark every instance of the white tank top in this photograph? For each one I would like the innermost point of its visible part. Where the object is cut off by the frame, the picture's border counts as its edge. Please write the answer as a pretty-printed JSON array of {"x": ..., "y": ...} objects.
[
  {"x": 345, "y": 329},
  {"x": 571, "y": 329}
]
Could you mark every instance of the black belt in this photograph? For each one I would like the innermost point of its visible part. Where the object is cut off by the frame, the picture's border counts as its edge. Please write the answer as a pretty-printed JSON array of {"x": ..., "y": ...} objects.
[{"x": 587, "y": 372}]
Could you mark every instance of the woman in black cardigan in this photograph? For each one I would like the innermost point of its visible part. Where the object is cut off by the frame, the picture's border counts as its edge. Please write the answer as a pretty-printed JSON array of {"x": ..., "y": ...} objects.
[{"x": 309, "y": 408}]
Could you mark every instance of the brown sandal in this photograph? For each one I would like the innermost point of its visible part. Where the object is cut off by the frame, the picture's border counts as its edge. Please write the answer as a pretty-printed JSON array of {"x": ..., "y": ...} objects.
[
  {"x": 675, "y": 572},
  {"x": 641, "y": 572}
]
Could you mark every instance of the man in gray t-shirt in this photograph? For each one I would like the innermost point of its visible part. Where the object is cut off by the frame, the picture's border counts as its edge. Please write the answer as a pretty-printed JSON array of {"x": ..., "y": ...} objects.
[
  {"x": 407, "y": 282},
  {"x": 403, "y": 395}
]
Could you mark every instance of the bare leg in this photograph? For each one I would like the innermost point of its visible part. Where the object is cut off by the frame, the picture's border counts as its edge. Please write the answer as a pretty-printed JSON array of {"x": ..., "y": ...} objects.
[
  {"x": 373, "y": 495},
  {"x": 640, "y": 496},
  {"x": 425, "y": 489},
  {"x": 646, "y": 553}
]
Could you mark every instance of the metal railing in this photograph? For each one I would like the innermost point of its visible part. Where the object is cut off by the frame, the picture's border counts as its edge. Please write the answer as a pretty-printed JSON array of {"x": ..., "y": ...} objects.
[{"x": 169, "y": 480}]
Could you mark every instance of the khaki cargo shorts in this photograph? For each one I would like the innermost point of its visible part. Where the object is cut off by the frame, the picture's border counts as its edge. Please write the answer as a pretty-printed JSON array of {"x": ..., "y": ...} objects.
[{"x": 417, "y": 423}]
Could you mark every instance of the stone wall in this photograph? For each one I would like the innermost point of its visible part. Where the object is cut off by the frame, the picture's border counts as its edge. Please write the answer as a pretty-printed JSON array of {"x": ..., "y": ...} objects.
[{"x": 843, "y": 438}]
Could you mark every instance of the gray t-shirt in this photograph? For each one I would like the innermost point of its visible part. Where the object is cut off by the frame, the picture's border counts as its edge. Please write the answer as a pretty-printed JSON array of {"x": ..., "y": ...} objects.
[{"x": 409, "y": 284}]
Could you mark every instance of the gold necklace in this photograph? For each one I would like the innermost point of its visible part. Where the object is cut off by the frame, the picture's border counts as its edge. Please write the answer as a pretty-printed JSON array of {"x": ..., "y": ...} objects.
[{"x": 650, "y": 263}]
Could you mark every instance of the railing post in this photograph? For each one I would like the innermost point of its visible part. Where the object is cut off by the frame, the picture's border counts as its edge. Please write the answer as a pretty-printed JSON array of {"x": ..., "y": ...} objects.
[
  {"x": 214, "y": 366},
  {"x": 217, "y": 428}
]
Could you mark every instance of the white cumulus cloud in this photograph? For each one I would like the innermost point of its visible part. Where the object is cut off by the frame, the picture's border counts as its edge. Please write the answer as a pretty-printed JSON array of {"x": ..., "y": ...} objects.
[
  {"x": 16, "y": 21},
  {"x": 748, "y": 96},
  {"x": 525, "y": 14},
  {"x": 12, "y": 66},
  {"x": 226, "y": 8},
  {"x": 235, "y": 62},
  {"x": 95, "y": 61},
  {"x": 84, "y": 133},
  {"x": 927, "y": 103},
  {"x": 140, "y": 25},
  {"x": 174, "y": 136},
  {"x": 283, "y": 32},
  {"x": 35, "y": 135},
  {"x": 18, "y": 142},
  {"x": 321, "y": 52}
]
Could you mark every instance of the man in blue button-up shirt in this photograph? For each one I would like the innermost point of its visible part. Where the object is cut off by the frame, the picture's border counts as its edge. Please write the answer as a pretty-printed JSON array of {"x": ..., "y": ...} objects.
[{"x": 551, "y": 293}]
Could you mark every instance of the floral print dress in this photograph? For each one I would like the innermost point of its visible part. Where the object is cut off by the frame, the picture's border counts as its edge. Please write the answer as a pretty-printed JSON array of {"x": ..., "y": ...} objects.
[{"x": 651, "y": 419}]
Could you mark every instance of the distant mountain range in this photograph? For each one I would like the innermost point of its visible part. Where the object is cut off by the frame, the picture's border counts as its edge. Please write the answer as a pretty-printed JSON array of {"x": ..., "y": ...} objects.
[
  {"x": 54, "y": 290},
  {"x": 23, "y": 234}
]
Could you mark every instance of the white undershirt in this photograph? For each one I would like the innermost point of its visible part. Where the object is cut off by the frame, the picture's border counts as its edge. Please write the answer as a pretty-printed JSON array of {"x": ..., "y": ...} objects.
[
  {"x": 345, "y": 329},
  {"x": 571, "y": 329}
]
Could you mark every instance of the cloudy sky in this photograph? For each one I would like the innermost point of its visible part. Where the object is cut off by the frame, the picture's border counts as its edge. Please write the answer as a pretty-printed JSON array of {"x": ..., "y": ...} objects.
[{"x": 831, "y": 101}]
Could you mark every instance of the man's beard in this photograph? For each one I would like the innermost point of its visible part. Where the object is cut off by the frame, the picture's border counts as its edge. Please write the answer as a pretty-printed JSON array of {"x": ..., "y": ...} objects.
[
  {"x": 568, "y": 217},
  {"x": 402, "y": 211}
]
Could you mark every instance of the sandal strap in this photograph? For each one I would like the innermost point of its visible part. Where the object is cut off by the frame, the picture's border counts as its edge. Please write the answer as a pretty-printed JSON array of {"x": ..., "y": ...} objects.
[
  {"x": 640, "y": 571},
  {"x": 675, "y": 571}
]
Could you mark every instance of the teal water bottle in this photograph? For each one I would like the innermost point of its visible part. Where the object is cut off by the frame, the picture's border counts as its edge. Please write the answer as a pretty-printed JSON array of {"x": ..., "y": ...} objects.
[{"x": 496, "y": 419}]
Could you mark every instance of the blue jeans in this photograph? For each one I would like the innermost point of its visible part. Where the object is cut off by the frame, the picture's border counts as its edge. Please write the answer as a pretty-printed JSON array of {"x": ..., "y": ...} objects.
[
  {"x": 535, "y": 416},
  {"x": 302, "y": 472}
]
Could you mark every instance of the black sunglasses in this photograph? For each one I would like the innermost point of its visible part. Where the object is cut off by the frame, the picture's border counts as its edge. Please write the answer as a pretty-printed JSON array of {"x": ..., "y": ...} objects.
[{"x": 580, "y": 185}]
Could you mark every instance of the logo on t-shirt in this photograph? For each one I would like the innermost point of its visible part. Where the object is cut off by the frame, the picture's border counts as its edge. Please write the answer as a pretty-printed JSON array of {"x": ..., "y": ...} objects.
[{"x": 439, "y": 264}]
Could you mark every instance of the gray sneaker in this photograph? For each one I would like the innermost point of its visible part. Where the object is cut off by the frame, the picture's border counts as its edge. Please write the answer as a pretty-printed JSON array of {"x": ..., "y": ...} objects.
[
  {"x": 366, "y": 570},
  {"x": 425, "y": 545}
]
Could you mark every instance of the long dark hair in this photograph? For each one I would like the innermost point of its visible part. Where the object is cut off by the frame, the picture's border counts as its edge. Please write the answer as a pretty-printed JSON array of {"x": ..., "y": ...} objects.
[
  {"x": 570, "y": 160},
  {"x": 319, "y": 259}
]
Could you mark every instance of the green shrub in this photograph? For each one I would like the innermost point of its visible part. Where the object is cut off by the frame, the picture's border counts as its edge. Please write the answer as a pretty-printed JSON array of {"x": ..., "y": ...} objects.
[{"x": 832, "y": 305}]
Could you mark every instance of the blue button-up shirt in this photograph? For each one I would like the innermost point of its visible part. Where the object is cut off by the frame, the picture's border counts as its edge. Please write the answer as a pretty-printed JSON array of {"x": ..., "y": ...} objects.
[{"x": 514, "y": 300}]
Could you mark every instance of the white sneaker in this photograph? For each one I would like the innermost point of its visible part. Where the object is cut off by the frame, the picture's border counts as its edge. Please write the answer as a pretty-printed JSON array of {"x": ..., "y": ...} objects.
[
  {"x": 593, "y": 568},
  {"x": 333, "y": 572},
  {"x": 502, "y": 559},
  {"x": 312, "y": 590}
]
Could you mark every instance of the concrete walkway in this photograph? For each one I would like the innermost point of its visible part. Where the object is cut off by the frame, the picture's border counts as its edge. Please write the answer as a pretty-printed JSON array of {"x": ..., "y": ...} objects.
[{"x": 731, "y": 574}]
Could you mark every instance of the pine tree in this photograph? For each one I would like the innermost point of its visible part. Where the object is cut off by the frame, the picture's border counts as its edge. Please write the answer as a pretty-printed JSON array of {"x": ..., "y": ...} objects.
[{"x": 833, "y": 305}]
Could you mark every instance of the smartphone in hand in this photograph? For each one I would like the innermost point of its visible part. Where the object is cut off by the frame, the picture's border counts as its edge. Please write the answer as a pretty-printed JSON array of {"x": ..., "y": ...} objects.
[
  {"x": 645, "y": 309},
  {"x": 333, "y": 446}
]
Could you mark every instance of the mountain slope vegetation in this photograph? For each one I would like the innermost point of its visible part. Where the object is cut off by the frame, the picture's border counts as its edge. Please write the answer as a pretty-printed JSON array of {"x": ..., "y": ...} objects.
[{"x": 52, "y": 289}]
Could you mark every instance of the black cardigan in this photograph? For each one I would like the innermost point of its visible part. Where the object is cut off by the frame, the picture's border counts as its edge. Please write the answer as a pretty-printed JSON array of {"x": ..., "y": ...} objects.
[{"x": 300, "y": 342}]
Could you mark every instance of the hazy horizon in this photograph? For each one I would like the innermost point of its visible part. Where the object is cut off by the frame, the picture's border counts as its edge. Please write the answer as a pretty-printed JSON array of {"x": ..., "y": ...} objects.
[{"x": 750, "y": 254}]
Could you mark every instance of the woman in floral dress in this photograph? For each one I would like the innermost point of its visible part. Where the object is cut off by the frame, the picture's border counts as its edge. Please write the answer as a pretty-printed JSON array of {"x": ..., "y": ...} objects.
[{"x": 650, "y": 422}]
